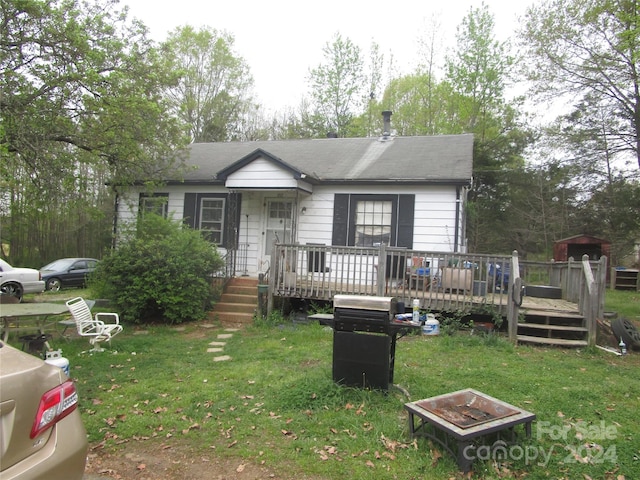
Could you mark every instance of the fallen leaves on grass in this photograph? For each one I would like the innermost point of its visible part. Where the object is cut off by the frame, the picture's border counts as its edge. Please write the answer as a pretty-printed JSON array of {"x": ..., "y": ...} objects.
[
  {"x": 393, "y": 445},
  {"x": 194, "y": 426},
  {"x": 326, "y": 451},
  {"x": 359, "y": 410}
]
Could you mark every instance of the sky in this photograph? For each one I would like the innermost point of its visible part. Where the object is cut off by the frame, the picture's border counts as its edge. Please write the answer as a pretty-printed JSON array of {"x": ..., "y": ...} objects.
[{"x": 281, "y": 40}]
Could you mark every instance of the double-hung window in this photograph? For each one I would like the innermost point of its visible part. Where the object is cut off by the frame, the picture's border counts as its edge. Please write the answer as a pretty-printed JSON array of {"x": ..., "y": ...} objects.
[
  {"x": 370, "y": 220},
  {"x": 212, "y": 219},
  {"x": 215, "y": 215},
  {"x": 158, "y": 203},
  {"x": 373, "y": 223}
]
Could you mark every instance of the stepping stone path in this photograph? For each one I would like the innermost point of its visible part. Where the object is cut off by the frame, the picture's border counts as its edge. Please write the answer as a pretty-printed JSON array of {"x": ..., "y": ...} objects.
[{"x": 218, "y": 346}]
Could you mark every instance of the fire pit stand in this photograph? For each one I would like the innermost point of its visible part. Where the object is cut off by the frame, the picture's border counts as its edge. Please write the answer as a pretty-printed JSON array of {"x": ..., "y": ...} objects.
[{"x": 455, "y": 420}]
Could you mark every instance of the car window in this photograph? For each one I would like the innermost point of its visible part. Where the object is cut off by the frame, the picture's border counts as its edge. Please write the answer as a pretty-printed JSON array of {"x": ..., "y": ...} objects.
[
  {"x": 79, "y": 265},
  {"x": 58, "y": 265},
  {"x": 91, "y": 264}
]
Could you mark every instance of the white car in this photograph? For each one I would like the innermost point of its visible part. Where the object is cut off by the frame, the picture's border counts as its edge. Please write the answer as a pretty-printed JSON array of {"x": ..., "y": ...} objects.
[{"x": 18, "y": 281}]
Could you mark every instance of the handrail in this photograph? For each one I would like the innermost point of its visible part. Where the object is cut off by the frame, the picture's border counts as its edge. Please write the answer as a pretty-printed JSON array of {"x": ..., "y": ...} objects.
[
  {"x": 589, "y": 305},
  {"x": 514, "y": 297}
]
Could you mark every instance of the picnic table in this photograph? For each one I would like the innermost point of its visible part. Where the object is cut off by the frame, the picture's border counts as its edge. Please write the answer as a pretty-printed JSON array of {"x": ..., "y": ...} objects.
[{"x": 34, "y": 314}]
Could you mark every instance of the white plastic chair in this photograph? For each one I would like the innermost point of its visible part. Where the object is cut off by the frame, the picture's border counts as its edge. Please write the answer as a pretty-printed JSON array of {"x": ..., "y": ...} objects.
[{"x": 94, "y": 327}]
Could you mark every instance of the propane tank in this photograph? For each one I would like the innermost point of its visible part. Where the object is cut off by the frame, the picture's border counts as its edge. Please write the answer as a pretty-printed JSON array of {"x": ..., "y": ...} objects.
[{"x": 55, "y": 358}]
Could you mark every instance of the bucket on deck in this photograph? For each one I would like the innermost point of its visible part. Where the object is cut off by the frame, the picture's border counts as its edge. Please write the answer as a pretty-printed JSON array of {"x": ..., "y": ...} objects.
[
  {"x": 431, "y": 326},
  {"x": 55, "y": 358}
]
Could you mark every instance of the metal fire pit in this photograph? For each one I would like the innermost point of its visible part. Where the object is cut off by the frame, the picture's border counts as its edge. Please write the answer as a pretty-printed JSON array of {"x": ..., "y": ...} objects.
[
  {"x": 456, "y": 420},
  {"x": 467, "y": 408}
]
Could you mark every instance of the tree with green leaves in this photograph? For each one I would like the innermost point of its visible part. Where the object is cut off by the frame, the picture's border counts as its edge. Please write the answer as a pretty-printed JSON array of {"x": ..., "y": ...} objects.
[
  {"x": 478, "y": 71},
  {"x": 421, "y": 105},
  {"x": 337, "y": 86},
  {"x": 212, "y": 95},
  {"x": 587, "y": 52},
  {"x": 374, "y": 84},
  {"x": 81, "y": 105},
  {"x": 81, "y": 83}
]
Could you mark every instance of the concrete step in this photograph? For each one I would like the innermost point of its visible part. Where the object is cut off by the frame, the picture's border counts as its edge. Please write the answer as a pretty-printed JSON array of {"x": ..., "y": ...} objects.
[
  {"x": 243, "y": 281},
  {"x": 234, "y": 307},
  {"x": 242, "y": 289},
  {"x": 238, "y": 298},
  {"x": 231, "y": 319},
  {"x": 237, "y": 304}
]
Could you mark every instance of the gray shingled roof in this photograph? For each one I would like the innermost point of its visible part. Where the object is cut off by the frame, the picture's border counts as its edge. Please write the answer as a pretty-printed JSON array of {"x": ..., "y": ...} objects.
[{"x": 437, "y": 159}]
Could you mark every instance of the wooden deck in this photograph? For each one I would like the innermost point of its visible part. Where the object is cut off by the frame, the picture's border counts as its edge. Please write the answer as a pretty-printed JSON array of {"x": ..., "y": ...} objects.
[
  {"x": 446, "y": 281},
  {"x": 435, "y": 299}
]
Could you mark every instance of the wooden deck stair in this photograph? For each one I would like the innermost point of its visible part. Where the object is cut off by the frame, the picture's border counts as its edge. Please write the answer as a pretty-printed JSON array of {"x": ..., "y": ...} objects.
[
  {"x": 553, "y": 328},
  {"x": 238, "y": 303}
]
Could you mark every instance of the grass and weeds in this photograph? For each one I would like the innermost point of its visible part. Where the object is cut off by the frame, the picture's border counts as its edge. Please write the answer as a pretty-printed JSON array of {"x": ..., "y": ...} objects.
[
  {"x": 624, "y": 302},
  {"x": 275, "y": 403}
]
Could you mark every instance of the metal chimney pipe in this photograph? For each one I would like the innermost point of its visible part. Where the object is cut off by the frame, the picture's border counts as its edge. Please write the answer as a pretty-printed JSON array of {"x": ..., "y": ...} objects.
[{"x": 386, "y": 118}]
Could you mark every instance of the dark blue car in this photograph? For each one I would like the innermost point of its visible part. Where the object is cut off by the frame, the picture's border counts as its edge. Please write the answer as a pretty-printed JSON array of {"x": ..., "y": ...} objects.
[{"x": 67, "y": 272}]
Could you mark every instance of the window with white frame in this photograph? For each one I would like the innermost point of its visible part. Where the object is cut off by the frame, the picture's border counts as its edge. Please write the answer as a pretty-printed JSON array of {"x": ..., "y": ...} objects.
[
  {"x": 212, "y": 219},
  {"x": 157, "y": 203},
  {"x": 373, "y": 223}
]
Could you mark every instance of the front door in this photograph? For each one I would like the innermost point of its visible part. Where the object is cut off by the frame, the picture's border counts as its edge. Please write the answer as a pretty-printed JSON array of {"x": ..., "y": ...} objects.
[{"x": 278, "y": 224}]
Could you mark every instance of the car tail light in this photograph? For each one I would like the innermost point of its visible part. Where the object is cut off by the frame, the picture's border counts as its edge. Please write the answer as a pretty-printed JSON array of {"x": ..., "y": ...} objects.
[{"x": 55, "y": 404}]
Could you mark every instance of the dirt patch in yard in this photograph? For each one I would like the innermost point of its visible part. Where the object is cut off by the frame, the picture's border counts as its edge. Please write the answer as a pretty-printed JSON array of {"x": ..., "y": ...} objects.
[{"x": 153, "y": 460}]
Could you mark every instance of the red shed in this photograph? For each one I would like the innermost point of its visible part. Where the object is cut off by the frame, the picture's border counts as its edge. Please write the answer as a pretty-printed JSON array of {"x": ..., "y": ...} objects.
[{"x": 579, "y": 245}]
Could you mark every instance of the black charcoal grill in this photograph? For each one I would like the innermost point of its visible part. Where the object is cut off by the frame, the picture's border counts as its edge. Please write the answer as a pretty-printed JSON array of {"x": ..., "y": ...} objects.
[{"x": 364, "y": 340}]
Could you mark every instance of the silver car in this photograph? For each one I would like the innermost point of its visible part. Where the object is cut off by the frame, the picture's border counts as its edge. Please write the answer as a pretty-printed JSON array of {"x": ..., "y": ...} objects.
[
  {"x": 41, "y": 432},
  {"x": 17, "y": 281}
]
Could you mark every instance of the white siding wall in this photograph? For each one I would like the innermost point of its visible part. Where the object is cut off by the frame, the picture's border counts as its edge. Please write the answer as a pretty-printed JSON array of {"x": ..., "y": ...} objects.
[
  {"x": 435, "y": 215},
  {"x": 129, "y": 202},
  {"x": 434, "y": 226},
  {"x": 435, "y": 218}
]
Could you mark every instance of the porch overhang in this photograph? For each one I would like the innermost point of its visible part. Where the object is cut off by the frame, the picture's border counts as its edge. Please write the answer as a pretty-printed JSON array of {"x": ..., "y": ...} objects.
[{"x": 257, "y": 184}]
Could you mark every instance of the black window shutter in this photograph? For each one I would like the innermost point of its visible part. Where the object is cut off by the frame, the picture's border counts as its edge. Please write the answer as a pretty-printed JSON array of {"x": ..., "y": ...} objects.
[
  {"x": 189, "y": 214},
  {"x": 340, "y": 219},
  {"x": 406, "y": 208}
]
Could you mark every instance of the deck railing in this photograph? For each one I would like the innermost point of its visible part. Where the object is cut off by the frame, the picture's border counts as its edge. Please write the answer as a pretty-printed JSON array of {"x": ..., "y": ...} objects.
[{"x": 440, "y": 280}]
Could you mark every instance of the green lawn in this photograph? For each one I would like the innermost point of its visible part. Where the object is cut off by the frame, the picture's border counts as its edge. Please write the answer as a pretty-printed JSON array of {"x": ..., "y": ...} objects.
[{"x": 275, "y": 402}]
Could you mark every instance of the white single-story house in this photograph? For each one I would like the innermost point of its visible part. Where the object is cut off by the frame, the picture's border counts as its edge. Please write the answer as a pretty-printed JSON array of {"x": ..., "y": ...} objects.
[{"x": 244, "y": 196}]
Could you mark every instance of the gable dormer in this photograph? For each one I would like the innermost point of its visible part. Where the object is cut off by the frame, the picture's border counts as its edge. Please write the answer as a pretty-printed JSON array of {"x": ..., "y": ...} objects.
[{"x": 261, "y": 170}]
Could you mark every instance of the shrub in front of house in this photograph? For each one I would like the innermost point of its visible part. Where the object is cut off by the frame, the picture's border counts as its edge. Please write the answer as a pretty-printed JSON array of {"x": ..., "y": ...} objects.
[{"x": 162, "y": 273}]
